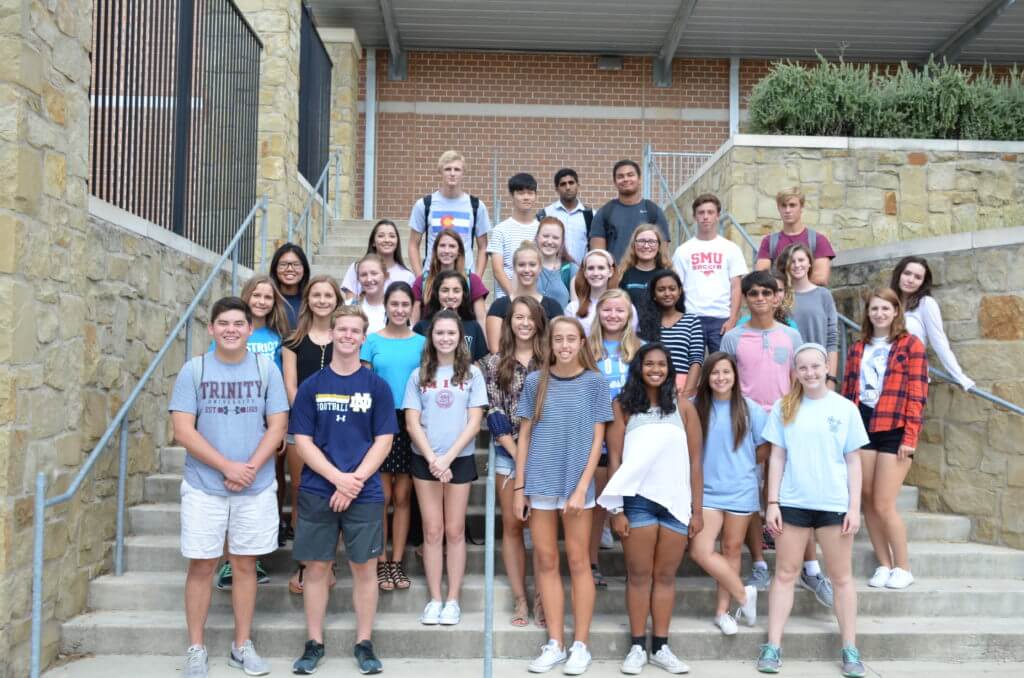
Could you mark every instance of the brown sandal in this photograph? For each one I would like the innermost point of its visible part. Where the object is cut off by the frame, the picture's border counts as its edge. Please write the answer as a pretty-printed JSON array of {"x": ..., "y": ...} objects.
[
  {"x": 521, "y": 613},
  {"x": 384, "y": 581},
  {"x": 398, "y": 575},
  {"x": 538, "y": 612},
  {"x": 295, "y": 583}
]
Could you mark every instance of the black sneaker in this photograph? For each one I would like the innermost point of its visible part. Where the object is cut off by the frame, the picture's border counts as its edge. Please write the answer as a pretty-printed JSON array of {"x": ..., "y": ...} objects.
[
  {"x": 366, "y": 659},
  {"x": 311, "y": 657}
]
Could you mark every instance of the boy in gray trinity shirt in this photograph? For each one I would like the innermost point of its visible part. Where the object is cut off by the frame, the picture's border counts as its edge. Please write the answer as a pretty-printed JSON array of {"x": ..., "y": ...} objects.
[{"x": 230, "y": 411}]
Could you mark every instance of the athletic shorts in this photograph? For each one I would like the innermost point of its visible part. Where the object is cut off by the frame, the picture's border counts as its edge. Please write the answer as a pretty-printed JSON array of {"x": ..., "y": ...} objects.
[
  {"x": 881, "y": 441},
  {"x": 642, "y": 512},
  {"x": 798, "y": 517},
  {"x": 249, "y": 521},
  {"x": 463, "y": 469},
  {"x": 318, "y": 528}
]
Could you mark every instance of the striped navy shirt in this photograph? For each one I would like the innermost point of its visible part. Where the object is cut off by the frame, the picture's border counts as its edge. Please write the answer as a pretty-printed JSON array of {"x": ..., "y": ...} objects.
[
  {"x": 685, "y": 341},
  {"x": 560, "y": 442}
]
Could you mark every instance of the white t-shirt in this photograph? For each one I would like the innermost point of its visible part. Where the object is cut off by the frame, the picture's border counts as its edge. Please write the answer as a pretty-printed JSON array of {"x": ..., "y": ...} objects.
[
  {"x": 505, "y": 239},
  {"x": 707, "y": 268},
  {"x": 872, "y": 370},
  {"x": 376, "y": 314}
]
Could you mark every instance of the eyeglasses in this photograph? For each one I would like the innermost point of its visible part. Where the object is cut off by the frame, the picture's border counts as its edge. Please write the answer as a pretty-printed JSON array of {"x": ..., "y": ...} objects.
[
  {"x": 645, "y": 242},
  {"x": 289, "y": 265},
  {"x": 754, "y": 294}
]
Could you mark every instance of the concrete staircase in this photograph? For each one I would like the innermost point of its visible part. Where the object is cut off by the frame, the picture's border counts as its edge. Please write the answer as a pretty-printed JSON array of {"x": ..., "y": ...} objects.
[
  {"x": 967, "y": 605},
  {"x": 346, "y": 243}
]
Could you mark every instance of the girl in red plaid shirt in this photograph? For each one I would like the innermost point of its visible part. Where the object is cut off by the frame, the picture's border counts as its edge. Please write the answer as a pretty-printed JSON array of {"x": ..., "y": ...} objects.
[{"x": 887, "y": 376}]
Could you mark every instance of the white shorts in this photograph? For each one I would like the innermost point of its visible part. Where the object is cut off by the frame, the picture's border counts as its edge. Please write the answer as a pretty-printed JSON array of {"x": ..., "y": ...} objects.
[
  {"x": 248, "y": 521},
  {"x": 542, "y": 503}
]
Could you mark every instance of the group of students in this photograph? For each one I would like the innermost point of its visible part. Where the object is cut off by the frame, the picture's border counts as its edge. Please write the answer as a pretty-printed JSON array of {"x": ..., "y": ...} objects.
[{"x": 616, "y": 390}]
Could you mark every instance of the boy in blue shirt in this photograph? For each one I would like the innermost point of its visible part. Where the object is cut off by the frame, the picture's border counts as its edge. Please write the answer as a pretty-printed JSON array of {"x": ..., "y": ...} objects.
[{"x": 343, "y": 420}]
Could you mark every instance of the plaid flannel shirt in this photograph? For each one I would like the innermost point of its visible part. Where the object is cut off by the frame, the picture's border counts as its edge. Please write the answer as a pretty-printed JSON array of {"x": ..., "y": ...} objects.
[{"x": 904, "y": 387}]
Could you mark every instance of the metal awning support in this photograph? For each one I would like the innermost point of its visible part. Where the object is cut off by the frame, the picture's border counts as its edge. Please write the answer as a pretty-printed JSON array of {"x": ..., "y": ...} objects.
[
  {"x": 397, "y": 67},
  {"x": 954, "y": 44},
  {"x": 663, "y": 62}
]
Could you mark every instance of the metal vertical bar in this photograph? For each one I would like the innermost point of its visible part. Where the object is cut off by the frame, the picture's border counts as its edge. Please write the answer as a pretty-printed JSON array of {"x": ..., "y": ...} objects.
[
  {"x": 164, "y": 132},
  {"x": 263, "y": 234},
  {"x": 494, "y": 183},
  {"x": 645, "y": 189},
  {"x": 188, "y": 338},
  {"x": 234, "y": 270},
  {"x": 122, "y": 476},
  {"x": 734, "y": 96},
  {"x": 489, "y": 566},
  {"x": 323, "y": 207},
  {"x": 291, "y": 225},
  {"x": 370, "y": 135},
  {"x": 131, "y": 169},
  {"x": 337, "y": 185},
  {"x": 37, "y": 572},
  {"x": 182, "y": 115}
]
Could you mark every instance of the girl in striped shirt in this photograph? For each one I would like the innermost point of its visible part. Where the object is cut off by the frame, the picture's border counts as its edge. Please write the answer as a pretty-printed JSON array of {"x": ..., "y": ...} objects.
[
  {"x": 680, "y": 331},
  {"x": 564, "y": 407}
]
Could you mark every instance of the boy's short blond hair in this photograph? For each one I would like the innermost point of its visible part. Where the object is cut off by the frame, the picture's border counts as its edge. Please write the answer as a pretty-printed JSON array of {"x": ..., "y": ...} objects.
[
  {"x": 345, "y": 311},
  {"x": 787, "y": 193},
  {"x": 447, "y": 157}
]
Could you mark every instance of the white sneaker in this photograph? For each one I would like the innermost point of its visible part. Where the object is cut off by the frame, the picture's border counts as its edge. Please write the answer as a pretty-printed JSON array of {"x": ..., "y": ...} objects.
[
  {"x": 245, "y": 658},
  {"x": 607, "y": 542},
  {"x": 635, "y": 661},
  {"x": 725, "y": 622},
  {"x": 880, "y": 577},
  {"x": 551, "y": 655},
  {"x": 899, "y": 579},
  {"x": 451, "y": 614},
  {"x": 668, "y": 661},
  {"x": 579, "y": 660},
  {"x": 431, "y": 613},
  {"x": 748, "y": 611}
]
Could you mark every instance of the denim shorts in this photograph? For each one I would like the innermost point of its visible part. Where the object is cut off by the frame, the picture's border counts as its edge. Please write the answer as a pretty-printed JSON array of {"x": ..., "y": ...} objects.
[
  {"x": 642, "y": 512},
  {"x": 504, "y": 465}
]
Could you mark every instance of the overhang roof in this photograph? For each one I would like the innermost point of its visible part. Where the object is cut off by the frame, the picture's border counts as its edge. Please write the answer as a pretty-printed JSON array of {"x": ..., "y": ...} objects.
[{"x": 863, "y": 30}]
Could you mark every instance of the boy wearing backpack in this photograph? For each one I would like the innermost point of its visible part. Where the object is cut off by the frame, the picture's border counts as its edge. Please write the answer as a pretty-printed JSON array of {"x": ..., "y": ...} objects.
[
  {"x": 449, "y": 207},
  {"x": 229, "y": 411},
  {"x": 571, "y": 211},
  {"x": 507, "y": 236},
  {"x": 614, "y": 222},
  {"x": 790, "y": 202}
]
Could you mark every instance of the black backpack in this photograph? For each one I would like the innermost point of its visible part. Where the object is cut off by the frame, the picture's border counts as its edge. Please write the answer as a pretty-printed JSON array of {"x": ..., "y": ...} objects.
[{"x": 588, "y": 217}]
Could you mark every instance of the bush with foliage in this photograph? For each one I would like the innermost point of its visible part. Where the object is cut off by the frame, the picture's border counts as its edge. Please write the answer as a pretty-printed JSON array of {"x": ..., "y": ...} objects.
[{"x": 934, "y": 101}]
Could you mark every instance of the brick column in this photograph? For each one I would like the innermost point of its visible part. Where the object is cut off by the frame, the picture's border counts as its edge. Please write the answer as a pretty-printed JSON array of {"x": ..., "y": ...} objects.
[
  {"x": 278, "y": 24},
  {"x": 345, "y": 51},
  {"x": 44, "y": 136}
]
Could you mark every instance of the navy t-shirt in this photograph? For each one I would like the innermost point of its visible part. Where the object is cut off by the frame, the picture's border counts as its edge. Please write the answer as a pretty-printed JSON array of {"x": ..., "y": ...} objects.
[{"x": 343, "y": 415}]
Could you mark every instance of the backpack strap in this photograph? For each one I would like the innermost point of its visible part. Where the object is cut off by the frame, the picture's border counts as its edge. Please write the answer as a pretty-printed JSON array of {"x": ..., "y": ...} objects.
[
  {"x": 812, "y": 241},
  {"x": 263, "y": 367},
  {"x": 566, "y": 274},
  {"x": 773, "y": 245},
  {"x": 540, "y": 214},
  {"x": 474, "y": 205},
  {"x": 588, "y": 218}
]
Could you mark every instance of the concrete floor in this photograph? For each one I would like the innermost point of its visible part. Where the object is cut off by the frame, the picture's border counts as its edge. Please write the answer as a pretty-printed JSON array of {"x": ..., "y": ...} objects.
[{"x": 144, "y": 667}]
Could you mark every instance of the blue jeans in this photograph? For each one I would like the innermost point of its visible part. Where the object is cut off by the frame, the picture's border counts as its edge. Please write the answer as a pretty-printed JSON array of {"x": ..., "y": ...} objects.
[
  {"x": 642, "y": 512},
  {"x": 712, "y": 331}
]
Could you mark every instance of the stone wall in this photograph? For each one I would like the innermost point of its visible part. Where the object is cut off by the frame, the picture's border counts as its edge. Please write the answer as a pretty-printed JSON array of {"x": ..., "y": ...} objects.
[
  {"x": 345, "y": 51},
  {"x": 971, "y": 456},
  {"x": 863, "y": 192},
  {"x": 96, "y": 304}
]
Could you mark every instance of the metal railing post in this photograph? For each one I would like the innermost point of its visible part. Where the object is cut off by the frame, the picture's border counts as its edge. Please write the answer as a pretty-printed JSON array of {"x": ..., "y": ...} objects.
[
  {"x": 323, "y": 218},
  {"x": 263, "y": 234},
  {"x": 39, "y": 525},
  {"x": 337, "y": 185},
  {"x": 646, "y": 178},
  {"x": 494, "y": 187},
  {"x": 188, "y": 338},
  {"x": 309, "y": 234},
  {"x": 291, "y": 227},
  {"x": 234, "y": 271},
  {"x": 122, "y": 477},
  {"x": 489, "y": 566}
]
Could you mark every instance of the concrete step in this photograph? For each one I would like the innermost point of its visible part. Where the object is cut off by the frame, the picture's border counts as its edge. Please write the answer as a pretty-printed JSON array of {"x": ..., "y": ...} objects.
[
  {"x": 163, "y": 518},
  {"x": 104, "y": 666},
  {"x": 967, "y": 597},
  {"x": 401, "y": 635},
  {"x": 928, "y": 559},
  {"x": 336, "y": 261},
  {"x": 359, "y": 229}
]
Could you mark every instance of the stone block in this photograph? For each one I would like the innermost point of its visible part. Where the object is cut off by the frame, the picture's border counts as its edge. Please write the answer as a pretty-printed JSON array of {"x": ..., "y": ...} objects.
[
  {"x": 917, "y": 158},
  {"x": 831, "y": 196},
  {"x": 939, "y": 202},
  {"x": 742, "y": 204},
  {"x": 1006, "y": 432},
  {"x": 941, "y": 177},
  {"x": 1013, "y": 510},
  {"x": 969, "y": 499},
  {"x": 964, "y": 444},
  {"x": 21, "y": 64},
  {"x": 1002, "y": 317},
  {"x": 993, "y": 269},
  {"x": 992, "y": 361},
  {"x": 1015, "y": 472},
  {"x": 21, "y": 172},
  {"x": 890, "y": 206}
]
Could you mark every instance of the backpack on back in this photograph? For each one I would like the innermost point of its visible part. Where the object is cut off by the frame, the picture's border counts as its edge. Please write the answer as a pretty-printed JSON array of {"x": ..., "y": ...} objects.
[
  {"x": 588, "y": 218},
  {"x": 773, "y": 243}
]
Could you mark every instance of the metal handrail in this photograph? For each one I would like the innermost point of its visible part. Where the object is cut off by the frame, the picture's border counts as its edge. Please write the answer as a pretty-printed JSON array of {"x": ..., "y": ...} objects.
[
  {"x": 120, "y": 420},
  {"x": 851, "y": 325},
  {"x": 683, "y": 226},
  {"x": 305, "y": 217}
]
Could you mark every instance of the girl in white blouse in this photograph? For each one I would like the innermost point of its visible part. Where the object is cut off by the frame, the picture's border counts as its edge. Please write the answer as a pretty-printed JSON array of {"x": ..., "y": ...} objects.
[{"x": 912, "y": 281}]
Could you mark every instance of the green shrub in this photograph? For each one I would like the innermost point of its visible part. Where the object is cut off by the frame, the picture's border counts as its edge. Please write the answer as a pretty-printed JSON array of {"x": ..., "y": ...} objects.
[{"x": 935, "y": 101}]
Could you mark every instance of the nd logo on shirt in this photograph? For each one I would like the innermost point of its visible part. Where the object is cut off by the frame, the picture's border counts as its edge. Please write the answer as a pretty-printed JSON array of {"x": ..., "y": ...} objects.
[
  {"x": 333, "y": 402},
  {"x": 707, "y": 263}
]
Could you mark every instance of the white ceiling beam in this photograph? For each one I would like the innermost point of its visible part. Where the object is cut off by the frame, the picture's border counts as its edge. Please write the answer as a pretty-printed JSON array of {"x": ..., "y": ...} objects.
[
  {"x": 663, "y": 62},
  {"x": 397, "y": 66}
]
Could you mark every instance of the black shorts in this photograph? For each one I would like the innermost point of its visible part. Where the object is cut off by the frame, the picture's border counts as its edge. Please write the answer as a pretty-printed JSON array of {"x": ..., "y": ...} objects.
[
  {"x": 881, "y": 441},
  {"x": 316, "y": 534},
  {"x": 398, "y": 458},
  {"x": 798, "y": 517},
  {"x": 463, "y": 469}
]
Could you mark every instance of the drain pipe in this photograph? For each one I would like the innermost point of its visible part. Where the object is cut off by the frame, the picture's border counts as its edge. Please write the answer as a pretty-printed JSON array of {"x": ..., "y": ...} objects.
[
  {"x": 370, "y": 136},
  {"x": 734, "y": 96}
]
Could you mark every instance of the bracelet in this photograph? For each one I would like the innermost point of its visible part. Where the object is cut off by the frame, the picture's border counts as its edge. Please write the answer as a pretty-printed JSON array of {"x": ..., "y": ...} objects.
[
  {"x": 521, "y": 487},
  {"x": 773, "y": 502}
]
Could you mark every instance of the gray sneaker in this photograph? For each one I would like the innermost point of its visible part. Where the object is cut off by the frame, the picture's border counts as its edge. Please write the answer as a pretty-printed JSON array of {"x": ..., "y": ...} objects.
[
  {"x": 852, "y": 667},
  {"x": 820, "y": 585},
  {"x": 245, "y": 658},
  {"x": 197, "y": 663},
  {"x": 770, "y": 660},
  {"x": 758, "y": 578}
]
